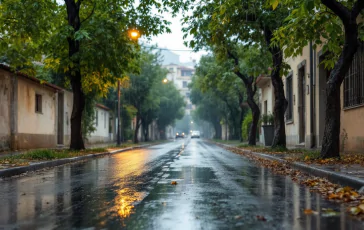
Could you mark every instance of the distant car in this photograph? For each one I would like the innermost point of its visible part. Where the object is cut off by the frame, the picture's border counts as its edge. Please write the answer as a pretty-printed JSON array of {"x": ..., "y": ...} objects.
[
  {"x": 195, "y": 134},
  {"x": 180, "y": 135}
]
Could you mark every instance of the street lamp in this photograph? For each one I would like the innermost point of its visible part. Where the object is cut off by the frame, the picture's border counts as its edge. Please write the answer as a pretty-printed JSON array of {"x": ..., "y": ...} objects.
[
  {"x": 133, "y": 34},
  {"x": 165, "y": 80}
]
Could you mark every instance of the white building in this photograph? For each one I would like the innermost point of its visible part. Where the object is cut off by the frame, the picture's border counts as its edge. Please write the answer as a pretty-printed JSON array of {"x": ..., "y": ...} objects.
[
  {"x": 180, "y": 74},
  {"x": 102, "y": 125}
]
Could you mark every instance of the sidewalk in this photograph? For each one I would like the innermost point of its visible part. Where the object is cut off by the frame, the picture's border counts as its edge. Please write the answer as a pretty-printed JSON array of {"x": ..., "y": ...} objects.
[
  {"x": 88, "y": 146},
  {"x": 344, "y": 174}
]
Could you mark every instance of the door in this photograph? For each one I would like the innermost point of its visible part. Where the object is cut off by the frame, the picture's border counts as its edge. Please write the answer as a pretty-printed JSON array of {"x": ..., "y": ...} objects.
[{"x": 302, "y": 104}]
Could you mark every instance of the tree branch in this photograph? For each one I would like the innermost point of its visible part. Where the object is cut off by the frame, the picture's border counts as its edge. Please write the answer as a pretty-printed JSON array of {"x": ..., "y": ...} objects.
[
  {"x": 78, "y": 4},
  {"x": 236, "y": 62},
  {"x": 89, "y": 16},
  {"x": 339, "y": 9},
  {"x": 357, "y": 8},
  {"x": 254, "y": 88}
]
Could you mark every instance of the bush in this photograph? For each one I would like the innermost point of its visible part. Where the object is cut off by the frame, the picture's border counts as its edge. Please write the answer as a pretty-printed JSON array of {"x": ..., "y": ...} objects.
[{"x": 248, "y": 119}]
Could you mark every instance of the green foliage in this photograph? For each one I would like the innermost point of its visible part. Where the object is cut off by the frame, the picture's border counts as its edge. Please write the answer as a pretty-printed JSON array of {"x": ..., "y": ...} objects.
[
  {"x": 217, "y": 92},
  {"x": 50, "y": 154},
  {"x": 268, "y": 119},
  {"x": 310, "y": 155},
  {"x": 171, "y": 106},
  {"x": 152, "y": 99},
  {"x": 311, "y": 20},
  {"x": 88, "y": 117},
  {"x": 246, "y": 125}
]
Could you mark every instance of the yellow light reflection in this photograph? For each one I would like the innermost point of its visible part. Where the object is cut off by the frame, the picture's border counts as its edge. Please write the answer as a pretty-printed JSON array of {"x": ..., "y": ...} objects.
[{"x": 124, "y": 202}]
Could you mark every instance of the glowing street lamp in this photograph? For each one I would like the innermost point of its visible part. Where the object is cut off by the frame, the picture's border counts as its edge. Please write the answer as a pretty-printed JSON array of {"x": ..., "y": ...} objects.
[
  {"x": 134, "y": 34},
  {"x": 165, "y": 80}
]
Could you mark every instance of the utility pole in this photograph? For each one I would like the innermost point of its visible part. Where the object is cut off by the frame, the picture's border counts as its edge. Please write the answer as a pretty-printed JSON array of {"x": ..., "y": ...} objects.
[{"x": 119, "y": 120}]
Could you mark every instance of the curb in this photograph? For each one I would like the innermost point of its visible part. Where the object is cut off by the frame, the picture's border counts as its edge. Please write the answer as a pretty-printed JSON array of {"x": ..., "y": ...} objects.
[
  {"x": 47, "y": 164},
  {"x": 334, "y": 177}
]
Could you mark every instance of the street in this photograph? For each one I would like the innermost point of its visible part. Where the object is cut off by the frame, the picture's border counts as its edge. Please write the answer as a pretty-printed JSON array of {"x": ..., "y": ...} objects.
[{"x": 215, "y": 189}]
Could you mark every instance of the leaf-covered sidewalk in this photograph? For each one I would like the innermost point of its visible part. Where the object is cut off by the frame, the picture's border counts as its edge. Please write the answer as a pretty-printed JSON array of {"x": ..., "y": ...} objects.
[{"x": 351, "y": 165}]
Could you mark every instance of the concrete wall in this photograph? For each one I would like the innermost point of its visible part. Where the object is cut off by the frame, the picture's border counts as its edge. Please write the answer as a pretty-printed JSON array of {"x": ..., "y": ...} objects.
[
  {"x": 5, "y": 109},
  {"x": 101, "y": 134},
  {"x": 301, "y": 104},
  {"x": 68, "y": 104},
  {"x": 35, "y": 130},
  {"x": 266, "y": 93},
  {"x": 351, "y": 131}
]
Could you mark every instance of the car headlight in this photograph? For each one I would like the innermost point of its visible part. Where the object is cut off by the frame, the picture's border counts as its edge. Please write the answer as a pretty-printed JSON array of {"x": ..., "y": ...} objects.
[{"x": 176, "y": 133}]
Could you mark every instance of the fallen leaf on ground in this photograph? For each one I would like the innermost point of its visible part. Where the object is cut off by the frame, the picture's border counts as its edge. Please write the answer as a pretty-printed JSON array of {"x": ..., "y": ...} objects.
[
  {"x": 262, "y": 218},
  {"x": 308, "y": 211},
  {"x": 174, "y": 183}
]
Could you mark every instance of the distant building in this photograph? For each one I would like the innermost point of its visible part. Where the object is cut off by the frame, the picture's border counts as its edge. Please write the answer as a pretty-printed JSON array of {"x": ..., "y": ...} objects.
[{"x": 181, "y": 76}]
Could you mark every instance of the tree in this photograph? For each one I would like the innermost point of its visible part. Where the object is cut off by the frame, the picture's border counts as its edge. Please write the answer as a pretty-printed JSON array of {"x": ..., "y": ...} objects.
[
  {"x": 140, "y": 93},
  {"x": 213, "y": 105},
  {"x": 221, "y": 25},
  {"x": 87, "y": 40},
  {"x": 171, "y": 106},
  {"x": 217, "y": 77},
  {"x": 334, "y": 25}
]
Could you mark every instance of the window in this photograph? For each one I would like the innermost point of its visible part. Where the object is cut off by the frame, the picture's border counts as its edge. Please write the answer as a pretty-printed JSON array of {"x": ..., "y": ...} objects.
[
  {"x": 184, "y": 84},
  {"x": 97, "y": 118},
  {"x": 189, "y": 106},
  {"x": 188, "y": 95},
  {"x": 170, "y": 69},
  {"x": 289, "y": 96},
  {"x": 354, "y": 81},
  {"x": 266, "y": 107},
  {"x": 38, "y": 103},
  {"x": 186, "y": 73}
]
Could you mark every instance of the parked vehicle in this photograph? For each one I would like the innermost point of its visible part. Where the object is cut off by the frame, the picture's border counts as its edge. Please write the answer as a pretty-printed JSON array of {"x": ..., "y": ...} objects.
[
  {"x": 180, "y": 135},
  {"x": 195, "y": 134}
]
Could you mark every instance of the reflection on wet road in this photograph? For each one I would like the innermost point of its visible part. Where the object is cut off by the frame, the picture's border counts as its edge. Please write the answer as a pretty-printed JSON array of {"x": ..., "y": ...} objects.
[{"x": 216, "y": 190}]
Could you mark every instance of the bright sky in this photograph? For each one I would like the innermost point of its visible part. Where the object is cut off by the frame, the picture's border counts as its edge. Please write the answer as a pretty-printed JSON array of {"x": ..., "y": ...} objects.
[{"x": 174, "y": 41}]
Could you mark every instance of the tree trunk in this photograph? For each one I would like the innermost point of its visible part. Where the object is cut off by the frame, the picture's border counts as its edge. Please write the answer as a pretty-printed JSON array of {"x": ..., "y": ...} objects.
[
  {"x": 218, "y": 130},
  {"x": 135, "y": 139},
  {"x": 146, "y": 132},
  {"x": 74, "y": 74},
  {"x": 241, "y": 119},
  {"x": 252, "y": 138},
  {"x": 331, "y": 138},
  {"x": 77, "y": 110},
  {"x": 280, "y": 102},
  {"x": 249, "y": 83}
]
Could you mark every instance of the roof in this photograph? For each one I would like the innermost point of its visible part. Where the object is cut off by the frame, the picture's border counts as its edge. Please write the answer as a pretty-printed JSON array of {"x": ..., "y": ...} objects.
[
  {"x": 102, "y": 106},
  {"x": 262, "y": 80},
  {"x": 7, "y": 68}
]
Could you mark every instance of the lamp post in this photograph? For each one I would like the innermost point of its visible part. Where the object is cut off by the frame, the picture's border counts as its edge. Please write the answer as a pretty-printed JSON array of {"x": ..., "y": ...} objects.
[
  {"x": 119, "y": 120},
  {"x": 134, "y": 35}
]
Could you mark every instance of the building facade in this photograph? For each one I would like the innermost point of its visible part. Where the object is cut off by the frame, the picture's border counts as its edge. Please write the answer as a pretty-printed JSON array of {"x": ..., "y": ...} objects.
[
  {"x": 305, "y": 91},
  {"x": 35, "y": 114},
  {"x": 28, "y": 112}
]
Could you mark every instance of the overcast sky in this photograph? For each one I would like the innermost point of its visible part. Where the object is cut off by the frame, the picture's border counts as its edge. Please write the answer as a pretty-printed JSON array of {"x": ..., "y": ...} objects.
[{"x": 174, "y": 41}]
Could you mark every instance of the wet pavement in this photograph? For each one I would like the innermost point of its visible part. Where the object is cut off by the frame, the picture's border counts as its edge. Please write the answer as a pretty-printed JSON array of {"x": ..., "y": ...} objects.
[{"x": 216, "y": 189}]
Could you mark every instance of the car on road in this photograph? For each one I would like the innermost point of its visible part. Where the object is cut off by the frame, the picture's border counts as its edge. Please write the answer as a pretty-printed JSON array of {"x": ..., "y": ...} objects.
[
  {"x": 195, "y": 134},
  {"x": 180, "y": 135}
]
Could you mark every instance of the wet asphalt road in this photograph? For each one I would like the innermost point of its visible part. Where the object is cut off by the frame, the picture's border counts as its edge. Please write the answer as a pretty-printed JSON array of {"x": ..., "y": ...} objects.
[{"x": 216, "y": 189}]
